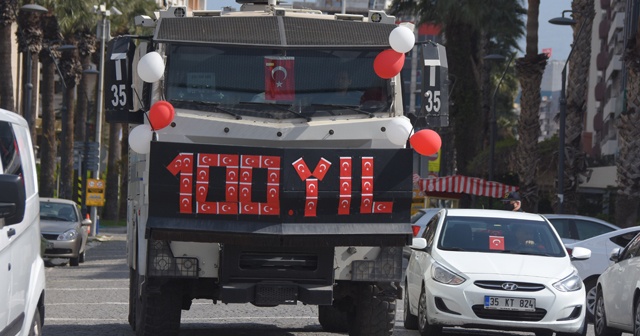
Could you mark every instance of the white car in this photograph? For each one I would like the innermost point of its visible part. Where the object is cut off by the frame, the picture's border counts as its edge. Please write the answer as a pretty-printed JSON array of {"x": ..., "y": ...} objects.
[
  {"x": 493, "y": 269},
  {"x": 601, "y": 247},
  {"x": 22, "y": 277},
  {"x": 618, "y": 293}
]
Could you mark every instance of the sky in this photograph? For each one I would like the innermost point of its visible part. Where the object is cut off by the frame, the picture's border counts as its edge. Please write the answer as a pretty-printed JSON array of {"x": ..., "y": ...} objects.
[{"x": 558, "y": 38}]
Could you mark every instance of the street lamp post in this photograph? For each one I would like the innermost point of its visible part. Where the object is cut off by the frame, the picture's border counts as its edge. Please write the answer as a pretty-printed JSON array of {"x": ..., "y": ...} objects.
[
  {"x": 492, "y": 118},
  {"x": 27, "y": 91},
  {"x": 563, "y": 21}
]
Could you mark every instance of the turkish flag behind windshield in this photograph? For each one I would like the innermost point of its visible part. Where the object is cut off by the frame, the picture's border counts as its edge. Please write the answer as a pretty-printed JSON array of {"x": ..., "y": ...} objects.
[{"x": 279, "y": 79}]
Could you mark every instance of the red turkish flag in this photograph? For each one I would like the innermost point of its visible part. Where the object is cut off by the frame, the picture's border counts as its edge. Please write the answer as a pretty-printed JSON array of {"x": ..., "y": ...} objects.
[
  {"x": 301, "y": 168},
  {"x": 202, "y": 189},
  {"x": 496, "y": 243},
  {"x": 321, "y": 168},
  {"x": 345, "y": 205},
  {"x": 382, "y": 207},
  {"x": 185, "y": 203},
  {"x": 279, "y": 79}
]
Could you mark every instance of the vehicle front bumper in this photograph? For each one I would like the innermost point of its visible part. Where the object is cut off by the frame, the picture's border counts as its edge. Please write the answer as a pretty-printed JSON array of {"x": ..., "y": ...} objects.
[
  {"x": 62, "y": 248},
  {"x": 463, "y": 306}
]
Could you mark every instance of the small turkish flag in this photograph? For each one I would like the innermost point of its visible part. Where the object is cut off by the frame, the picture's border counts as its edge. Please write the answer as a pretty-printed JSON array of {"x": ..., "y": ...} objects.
[
  {"x": 345, "y": 205},
  {"x": 228, "y": 208},
  {"x": 250, "y": 208},
  {"x": 182, "y": 163},
  {"x": 228, "y": 160},
  {"x": 231, "y": 192},
  {"x": 301, "y": 168},
  {"x": 321, "y": 168},
  {"x": 345, "y": 166},
  {"x": 279, "y": 79},
  {"x": 496, "y": 243},
  {"x": 185, "y": 203},
  {"x": 186, "y": 181},
  {"x": 312, "y": 188},
  {"x": 345, "y": 186},
  {"x": 382, "y": 207},
  {"x": 246, "y": 175},
  {"x": 202, "y": 174},
  {"x": 208, "y": 159},
  {"x": 367, "y": 166}
]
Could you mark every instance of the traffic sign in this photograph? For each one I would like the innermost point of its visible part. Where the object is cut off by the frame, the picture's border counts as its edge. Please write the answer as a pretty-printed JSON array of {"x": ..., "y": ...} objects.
[{"x": 95, "y": 192}]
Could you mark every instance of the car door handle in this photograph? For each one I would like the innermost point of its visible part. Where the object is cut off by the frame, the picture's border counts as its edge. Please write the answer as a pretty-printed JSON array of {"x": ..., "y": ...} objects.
[{"x": 11, "y": 232}]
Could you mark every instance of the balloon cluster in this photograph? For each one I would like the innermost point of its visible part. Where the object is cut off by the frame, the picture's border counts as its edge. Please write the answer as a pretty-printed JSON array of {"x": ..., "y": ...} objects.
[
  {"x": 161, "y": 114},
  {"x": 389, "y": 62}
]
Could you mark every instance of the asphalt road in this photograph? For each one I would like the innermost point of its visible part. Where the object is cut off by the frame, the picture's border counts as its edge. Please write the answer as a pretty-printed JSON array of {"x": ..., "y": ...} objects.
[{"x": 92, "y": 299}]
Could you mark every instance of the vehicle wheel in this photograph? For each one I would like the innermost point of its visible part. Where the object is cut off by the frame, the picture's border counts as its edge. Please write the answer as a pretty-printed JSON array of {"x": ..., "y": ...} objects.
[
  {"x": 410, "y": 320},
  {"x": 372, "y": 315},
  {"x": 423, "y": 324},
  {"x": 636, "y": 319},
  {"x": 600, "y": 319},
  {"x": 157, "y": 312},
  {"x": 590, "y": 289},
  {"x": 74, "y": 261},
  {"x": 133, "y": 295},
  {"x": 36, "y": 324},
  {"x": 81, "y": 257},
  {"x": 332, "y": 319}
]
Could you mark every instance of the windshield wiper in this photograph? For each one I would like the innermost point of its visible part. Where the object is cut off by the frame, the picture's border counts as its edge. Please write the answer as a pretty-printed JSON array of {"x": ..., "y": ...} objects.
[
  {"x": 216, "y": 106},
  {"x": 282, "y": 107},
  {"x": 348, "y": 107}
]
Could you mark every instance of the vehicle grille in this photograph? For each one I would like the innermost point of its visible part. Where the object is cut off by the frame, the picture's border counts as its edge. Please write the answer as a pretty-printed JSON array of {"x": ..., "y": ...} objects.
[
  {"x": 57, "y": 251},
  {"x": 509, "y": 315},
  {"x": 522, "y": 286},
  {"x": 49, "y": 236}
]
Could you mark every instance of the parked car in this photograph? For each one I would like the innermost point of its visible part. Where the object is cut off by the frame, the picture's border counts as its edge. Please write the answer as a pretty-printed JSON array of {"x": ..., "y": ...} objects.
[
  {"x": 419, "y": 221},
  {"x": 573, "y": 228},
  {"x": 601, "y": 247},
  {"x": 618, "y": 293},
  {"x": 22, "y": 275},
  {"x": 493, "y": 269},
  {"x": 65, "y": 230}
]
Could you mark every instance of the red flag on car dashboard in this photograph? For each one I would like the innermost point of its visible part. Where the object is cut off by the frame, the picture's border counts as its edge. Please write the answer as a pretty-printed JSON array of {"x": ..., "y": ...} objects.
[{"x": 279, "y": 83}]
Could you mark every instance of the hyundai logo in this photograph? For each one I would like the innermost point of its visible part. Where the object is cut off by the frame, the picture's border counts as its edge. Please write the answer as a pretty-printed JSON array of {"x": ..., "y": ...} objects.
[{"x": 510, "y": 286}]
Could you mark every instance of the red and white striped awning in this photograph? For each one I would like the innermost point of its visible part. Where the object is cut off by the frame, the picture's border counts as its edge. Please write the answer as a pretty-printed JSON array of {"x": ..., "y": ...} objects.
[{"x": 466, "y": 185}]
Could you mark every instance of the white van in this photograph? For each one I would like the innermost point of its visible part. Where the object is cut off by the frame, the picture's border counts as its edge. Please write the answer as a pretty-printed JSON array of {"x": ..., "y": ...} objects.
[{"x": 22, "y": 277}]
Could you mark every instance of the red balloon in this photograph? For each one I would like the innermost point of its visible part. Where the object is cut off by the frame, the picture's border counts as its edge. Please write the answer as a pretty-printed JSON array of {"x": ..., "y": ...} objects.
[
  {"x": 161, "y": 115},
  {"x": 426, "y": 142},
  {"x": 388, "y": 63}
]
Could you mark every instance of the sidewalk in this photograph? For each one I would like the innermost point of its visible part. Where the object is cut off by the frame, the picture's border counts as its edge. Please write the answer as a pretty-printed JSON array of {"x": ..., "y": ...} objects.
[{"x": 106, "y": 233}]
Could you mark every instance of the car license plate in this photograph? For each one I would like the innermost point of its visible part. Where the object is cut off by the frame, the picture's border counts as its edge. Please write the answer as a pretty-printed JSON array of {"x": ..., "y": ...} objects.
[
  {"x": 508, "y": 303},
  {"x": 48, "y": 245}
]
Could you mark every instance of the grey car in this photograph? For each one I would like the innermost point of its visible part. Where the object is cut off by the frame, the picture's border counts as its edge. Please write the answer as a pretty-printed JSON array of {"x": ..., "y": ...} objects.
[{"x": 64, "y": 229}]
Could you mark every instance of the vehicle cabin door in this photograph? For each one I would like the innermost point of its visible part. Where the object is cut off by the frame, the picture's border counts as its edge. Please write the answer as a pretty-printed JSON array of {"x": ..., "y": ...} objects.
[
  {"x": 625, "y": 276},
  {"x": 422, "y": 259}
]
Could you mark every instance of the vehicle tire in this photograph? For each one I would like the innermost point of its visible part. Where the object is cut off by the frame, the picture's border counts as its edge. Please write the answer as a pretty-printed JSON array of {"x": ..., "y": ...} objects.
[
  {"x": 590, "y": 289},
  {"x": 636, "y": 319},
  {"x": 332, "y": 319},
  {"x": 74, "y": 261},
  {"x": 81, "y": 257},
  {"x": 423, "y": 324},
  {"x": 600, "y": 319},
  {"x": 410, "y": 320},
  {"x": 133, "y": 295},
  {"x": 157, "y": 312},
  {"x": 36, "y": 325},
  {"x": 372, "y": 315}
]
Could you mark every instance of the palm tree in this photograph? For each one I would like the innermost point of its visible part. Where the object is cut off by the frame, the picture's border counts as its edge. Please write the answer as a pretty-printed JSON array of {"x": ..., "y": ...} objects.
[
  {"x": 529, "y": 70},
  {"x": 8, "y": 9},
  {"x": 628, "y": 161},
  {"x": 73, "y": 16},
  {"x": 49, "y": 143},
  {"x": 577, "y": 85}
]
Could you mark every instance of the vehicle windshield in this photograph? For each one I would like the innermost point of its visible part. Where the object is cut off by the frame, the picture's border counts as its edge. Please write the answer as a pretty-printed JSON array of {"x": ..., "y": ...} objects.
[
  {"x": 274, "y": 84},
  {"x": 499, "y": 235},
  {"x": 57, "y": 212}
]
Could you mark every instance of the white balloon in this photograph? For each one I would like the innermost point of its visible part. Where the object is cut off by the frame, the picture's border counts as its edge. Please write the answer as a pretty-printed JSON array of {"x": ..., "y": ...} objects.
[
  {"x": 398, "y": 130},
  {"x": 151, "y": 67},
  {"x": 140, "y": 139},
  {"x": 402, "y": 39}
]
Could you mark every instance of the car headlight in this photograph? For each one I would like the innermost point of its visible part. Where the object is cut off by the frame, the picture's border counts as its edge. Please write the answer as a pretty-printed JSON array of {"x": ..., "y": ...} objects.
[
  {"x": 441, "y": 274},
  {"x": 571, "y": 283},
  {"x": 68, "y": 235}
]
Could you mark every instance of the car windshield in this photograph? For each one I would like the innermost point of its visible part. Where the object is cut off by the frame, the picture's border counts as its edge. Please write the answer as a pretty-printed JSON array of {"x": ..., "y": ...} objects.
[
  {"x": 499, "y": 235},
  {"x": 57, "y": 212},
  {"x": 275, "y": 84}
]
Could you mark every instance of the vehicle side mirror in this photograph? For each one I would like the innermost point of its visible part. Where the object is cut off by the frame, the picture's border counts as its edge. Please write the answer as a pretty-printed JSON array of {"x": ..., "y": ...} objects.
[
  {"x": 615, "y": 254},
  {"x": 12, "y": 199},
  {"x": 86, "y": 222},
  {"x": 580, "y": 253},
  {"x": 418, "y": 244}
]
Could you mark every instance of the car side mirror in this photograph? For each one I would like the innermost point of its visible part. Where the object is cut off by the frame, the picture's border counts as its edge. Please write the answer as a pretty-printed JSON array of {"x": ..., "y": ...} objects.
[
  {"x": 12, "y": 199},
  {"x": 615, "y": 254},
  {"x": 86, "y": 222},
  {"x": 418, "y": 244},
  {"x": 580, "y": 253}
]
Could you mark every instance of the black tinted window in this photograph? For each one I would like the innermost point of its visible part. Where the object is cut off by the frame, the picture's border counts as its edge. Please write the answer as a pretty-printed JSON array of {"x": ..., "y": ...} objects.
[
  {"x": 588, "y": 229},
  {"x": 9, "y": 154},
  {"x": 623, "y": 239}
]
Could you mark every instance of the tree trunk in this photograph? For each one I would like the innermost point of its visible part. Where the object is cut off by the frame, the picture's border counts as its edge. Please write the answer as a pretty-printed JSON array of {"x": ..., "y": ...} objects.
[
  {"x": 80, "y": 121},
  {"x": 529, "y": 71},
  {"x": 628, "y": 161},
  {"x": 577, "y": 87},
  {"x": 48, "y": 145},
  {"x": 66, "y": 144},
  {"x": 110, "y": 210},
  {"x": 7, "y": 100}
]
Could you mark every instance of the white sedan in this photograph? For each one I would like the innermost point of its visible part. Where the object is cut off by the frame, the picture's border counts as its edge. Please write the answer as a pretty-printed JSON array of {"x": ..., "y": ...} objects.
[
  {"x": 618, "y": 293},
  {"x": 493, "y": 269}
]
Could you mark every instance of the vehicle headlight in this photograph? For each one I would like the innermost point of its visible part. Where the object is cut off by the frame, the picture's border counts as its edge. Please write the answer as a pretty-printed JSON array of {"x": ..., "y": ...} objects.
[
  {"x": 441, "y": 274},
  {"x": 68, "y": 235},
  {"x": 571, "y": 283}
]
